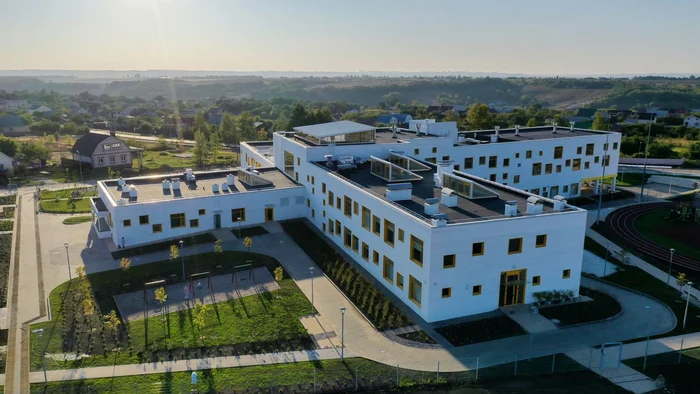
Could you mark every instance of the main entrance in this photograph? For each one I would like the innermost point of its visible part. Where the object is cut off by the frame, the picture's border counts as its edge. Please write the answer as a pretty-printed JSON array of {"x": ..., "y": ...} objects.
[
  {"x": 217, "y": 220},
  {"x": 269, "y": 214},
  {"x": 512, "y": 287}
]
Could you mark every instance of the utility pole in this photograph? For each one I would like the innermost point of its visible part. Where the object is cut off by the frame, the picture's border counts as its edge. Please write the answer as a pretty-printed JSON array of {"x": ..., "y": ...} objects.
[
  {"x": 644, "y": 172},
  {"x": 602, "y": 180}
]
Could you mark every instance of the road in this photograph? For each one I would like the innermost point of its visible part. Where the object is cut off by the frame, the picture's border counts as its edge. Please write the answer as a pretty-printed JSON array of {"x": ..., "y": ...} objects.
[{"x": 146, "y": 138}]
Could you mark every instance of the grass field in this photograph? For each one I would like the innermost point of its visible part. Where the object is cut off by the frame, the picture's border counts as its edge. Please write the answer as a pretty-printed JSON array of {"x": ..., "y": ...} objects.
[
  {"x": 77, "y": 219},
  {"x": 654, "y": 227},
  {"x": 67, "y": 193},
  {"x": 340, "y": 376},
  {"x": 627, "y": 179},
  {"x": 680, "y": 377},
  {"x": 63, "y": 206},
  {"x": 255, "y": 324},
  {"x": 168, "y": 160}
]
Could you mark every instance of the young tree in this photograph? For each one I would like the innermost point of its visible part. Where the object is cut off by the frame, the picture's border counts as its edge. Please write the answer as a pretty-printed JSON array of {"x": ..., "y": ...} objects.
[
  {"x": 162, "y": 142},
  {"x": 111, "y": 322},
  {"x": 174, "y": 252},
  {"x": 200, "y": 124},
  {"x": 125, "y": 264},
  {"x": 218, "y": 248},
  {"x": 8, "y": 146},
  {"x": 246, "y": 126},
  {"x": 599, "y": 122},
  {"x": 279, "y": 273},
  {"x": 682, "y": 279},
  {"x": 161, "y": 295},
  {"x": 215, "y": 145},
  {"x": 248, "y": 242},
  {"x": 88, "y": 307},
  {"x": 227, "y": 128},
  {"x": 198, "y": 316},
  {"x": 479, "y": 117},
  {"x": 201, "y": 148}
]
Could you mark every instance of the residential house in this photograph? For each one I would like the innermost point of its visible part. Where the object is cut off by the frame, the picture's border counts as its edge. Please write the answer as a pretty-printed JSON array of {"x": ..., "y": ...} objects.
[
  {"x": 13, "y": 104},
  {"x": 394, "y": 118},
  {"x": 692, "y": 121},
  {"x": 582, "y": 115},
  {"x": 214, "y": 116},
  {"x": 100, "y": 150},
  {"x": 127, "y": 112},
  {"x": 13, "y": 125},
  {"x": 39, "y": 108},
  {"x": 6, "y": 163}
]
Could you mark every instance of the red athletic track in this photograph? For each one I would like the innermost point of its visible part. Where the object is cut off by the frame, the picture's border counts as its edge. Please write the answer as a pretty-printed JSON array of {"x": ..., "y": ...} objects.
[{"x": 621, "y": 223}]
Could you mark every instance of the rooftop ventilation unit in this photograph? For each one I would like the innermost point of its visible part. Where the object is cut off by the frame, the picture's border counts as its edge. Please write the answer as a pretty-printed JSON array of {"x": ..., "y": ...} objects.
[
  {"x": 439, "y": 220},
  {"x": 517, "y": 129},
  {"x": 431, "y": 206},
  {"x": 511, "y": 208},
  {"x": 448, "y": 197},
  {"x": 166, "y": 185},
  {"x": 559, "y": 203},
  {"x": 571, "y": 124},
  {"x": 175, "y": 183},
  {"x": 121, "y": 201},
  {"x": 189, "y": 176},
  {"x": 215, "y": 188},
  {"x": 121, "y": 182},
  {"x": 461, "y": 139},
  {"x": 534, "y": 205},
  {"x": 224, "y": 187},
  {"x": 399, "y": 191},
  {"x": 329, "y": 160},
  {"x": 133, "y": 193},
  {"x": 230, "y": 179},
  {"x": 554, "y": 128}
]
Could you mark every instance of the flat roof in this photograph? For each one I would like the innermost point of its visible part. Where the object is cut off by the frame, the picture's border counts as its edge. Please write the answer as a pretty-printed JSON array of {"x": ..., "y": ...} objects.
[
  {"x": 382, "y": 136},
  {"x": 466, "y": 209},
  {"x": 530, "y": 134},
  {"x": 150, "y": 188},
  {"x": 334, "y": 128}
]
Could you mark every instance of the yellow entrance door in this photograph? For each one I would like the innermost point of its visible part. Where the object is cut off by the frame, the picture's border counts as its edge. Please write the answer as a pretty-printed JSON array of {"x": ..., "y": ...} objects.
[
  {"x": 269, "y": 214},
  {"x": 512, "y": 287}
]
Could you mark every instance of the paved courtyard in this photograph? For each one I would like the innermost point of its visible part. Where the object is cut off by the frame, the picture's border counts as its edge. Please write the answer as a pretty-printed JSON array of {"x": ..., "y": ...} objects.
[{"x": 182, "y": 296}]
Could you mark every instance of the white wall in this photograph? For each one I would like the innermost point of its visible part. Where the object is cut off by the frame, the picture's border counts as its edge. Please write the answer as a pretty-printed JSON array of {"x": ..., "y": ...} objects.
[
  {"x": 247, "y": 151},
  {"x": 6, "y": 162},
  {"x": 285, "y": 203},
  {"x": 106, "y": 155}
]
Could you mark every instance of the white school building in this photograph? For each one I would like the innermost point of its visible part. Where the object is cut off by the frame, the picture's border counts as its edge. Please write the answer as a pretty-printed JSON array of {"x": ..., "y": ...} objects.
[{"x": 452, "y": 223}]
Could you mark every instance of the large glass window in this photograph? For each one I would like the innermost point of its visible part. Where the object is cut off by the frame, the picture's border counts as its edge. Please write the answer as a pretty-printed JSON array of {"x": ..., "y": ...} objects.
[
  {"x": 515, "y": 245},
  {"x": 347, "y": 237},
  {"x": 493, "y": 161},
  {"x": 414, "y": 290},
  {"x": 468, "y": 163},
  {"x": 417, "y": 250},
  {"x": 576, "y": 165},
  {"x": 536, "y": 168},
  {"x": 558, "y": 152},
  {"x": 347, "y": 208},
  {"x": 366, "y": 219},
  {"x": 238, "y": 214},
  {"x": 388, "y": 270},
  {"x": 590, "y": 149},
  {"x": 177, "y": 220},
  {"x": 389, "y": 233}
]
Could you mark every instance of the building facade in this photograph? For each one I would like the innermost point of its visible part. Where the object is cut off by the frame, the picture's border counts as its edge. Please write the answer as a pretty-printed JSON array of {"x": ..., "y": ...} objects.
[{"x": 100, "y": 150}]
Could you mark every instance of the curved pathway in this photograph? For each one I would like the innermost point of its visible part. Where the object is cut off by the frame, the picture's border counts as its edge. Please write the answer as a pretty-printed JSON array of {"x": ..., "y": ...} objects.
[{"x": 621, "y": 222}]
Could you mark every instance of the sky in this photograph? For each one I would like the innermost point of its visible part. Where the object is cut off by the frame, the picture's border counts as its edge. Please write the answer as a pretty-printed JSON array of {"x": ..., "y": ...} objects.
[{"x": 508, "y": 36}]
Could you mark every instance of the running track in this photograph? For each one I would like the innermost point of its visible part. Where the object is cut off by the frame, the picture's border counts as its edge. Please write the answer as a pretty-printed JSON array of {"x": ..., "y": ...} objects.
[{"x": 621, "y": 223}]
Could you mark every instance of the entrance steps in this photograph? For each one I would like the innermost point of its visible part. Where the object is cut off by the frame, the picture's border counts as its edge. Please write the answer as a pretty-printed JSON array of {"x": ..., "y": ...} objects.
[{"x": 224, "y": 234}]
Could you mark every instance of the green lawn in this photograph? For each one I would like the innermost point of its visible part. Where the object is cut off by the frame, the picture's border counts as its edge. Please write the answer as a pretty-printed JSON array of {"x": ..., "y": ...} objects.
[
  {"x": 651, "y": 226},
  {"x": 168, "y": 159},
  {"x": 602, "y": 307},
  {"x": 77, "y": 219},
  {"x": 625, "y": 179},
  {"x": 63, "y": 206},
  {"x": 680, "y": 377},
  {"x": 67, "y": 193},
  {"x": 6, "y": 225},
  {"x": 331, "y": 376},
  {"x": 365, "y": 295},
  {"x": 262, "y": 323}
]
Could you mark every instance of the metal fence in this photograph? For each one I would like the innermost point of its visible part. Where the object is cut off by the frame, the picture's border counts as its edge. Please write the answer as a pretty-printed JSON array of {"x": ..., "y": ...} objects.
[{"x": 335, "y": 376}]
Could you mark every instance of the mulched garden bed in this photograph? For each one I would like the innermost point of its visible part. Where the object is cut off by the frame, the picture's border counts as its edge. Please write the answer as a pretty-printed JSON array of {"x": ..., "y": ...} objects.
[
  {"x": 165, "y": 245},
  {"x": 602, "y": 307},
  {"x": 481, "y": 330},
  {"x": 249, "y": 231}
]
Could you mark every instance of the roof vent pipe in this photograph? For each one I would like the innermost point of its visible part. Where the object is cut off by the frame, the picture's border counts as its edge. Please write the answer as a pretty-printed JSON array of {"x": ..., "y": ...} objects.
[
  {"x": 571, "y": 124},
  {"x": 517, "y": 129},
  {"x": 554, "y": 127},
  {"x": 497, "y": 129}
]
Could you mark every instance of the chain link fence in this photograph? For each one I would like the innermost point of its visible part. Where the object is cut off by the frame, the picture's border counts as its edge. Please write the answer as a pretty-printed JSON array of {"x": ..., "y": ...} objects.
[{"x": 333, "y": 376}]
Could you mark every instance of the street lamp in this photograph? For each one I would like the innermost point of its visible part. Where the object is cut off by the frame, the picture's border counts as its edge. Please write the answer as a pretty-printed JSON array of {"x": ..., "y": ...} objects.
[
  {"x": 182, "y": 258},
  {"x": 311, "y": 272},
  {"x": 239, "y": 227},
  {"x": 342, "y": 333},
  {"x": 602, "y": 179},
  {"x": 646, "y": 348},
  {"x": 65, "y": 244},
  {"x": 670, "y": 266},
  {"x": 644, "y": 171},
  {"x": 687, "y": 301}
]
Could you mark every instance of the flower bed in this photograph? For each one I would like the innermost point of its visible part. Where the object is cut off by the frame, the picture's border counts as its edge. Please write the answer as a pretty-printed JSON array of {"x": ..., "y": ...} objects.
[
  {"x": 602, "y": 307},
  {"x": 481, "y": 330}
]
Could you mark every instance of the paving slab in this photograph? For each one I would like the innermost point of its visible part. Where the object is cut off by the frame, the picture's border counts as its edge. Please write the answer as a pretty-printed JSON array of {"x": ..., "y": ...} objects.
[
  {"x": 530, "y": 322},
  {"x": 182, "y": 296}
]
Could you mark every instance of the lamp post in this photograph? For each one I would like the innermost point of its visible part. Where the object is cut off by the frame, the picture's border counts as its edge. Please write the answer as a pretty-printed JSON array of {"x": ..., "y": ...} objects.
[
  {"x": 602, "y": 179},
  {"x": 646, "y": 348},
  {"x": 182, "y": 258},
  {"x": 239, "y": 227},
  {"x": 80, "y": 165},
  {"x": 670, "y": 266},
  {"x": 644, "y": 172},
  {"x": 311, "y": 272},
  {"x": 687, "y": 301},
  {"x": 65, "y": 244},
  {"x": 342, "y": 333}
]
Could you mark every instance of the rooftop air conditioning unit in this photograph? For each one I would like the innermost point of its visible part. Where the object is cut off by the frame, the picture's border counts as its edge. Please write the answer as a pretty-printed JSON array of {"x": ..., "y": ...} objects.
[
  {"x": 230, "y": 179},
  {"x": 189, "y": 176},
  {"x": 133, "y": 193},
  {"x": 431, "y": 206},
  {"x": 176, "y": 183},
  {"x": 215, "y": 188},
  {"x": 166, "y": 185},
  {"x": 448, "y": 197},
  {"x": 511, "y": 208},
  {"x": 534, "y": 205},
  {"x": 517, "y": 129},
  {"x": 559, "y": 203},
  {"x": 121, "y": 182},
  {"x": 399, "y": 191},
  {"x": 224, "y": 187},
  {"x": 439, "y": 220}
]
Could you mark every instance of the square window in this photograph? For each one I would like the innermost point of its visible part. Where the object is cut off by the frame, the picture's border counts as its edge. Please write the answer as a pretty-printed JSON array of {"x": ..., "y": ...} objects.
[
  {"x": 492, "y": 177},
  {"x": 478, "y": 249},
  {"x": 566, "y": 274},
  {"x": 576, "y": 165},
  {"x": 415, "y": 289},
  {"x": 493, "y": 161},
  {"x": 517, "y": 155},
  {"x": 375, "y": 257},
  {"x": 445, "y": 158},
  {"x": 434, "y": 149},
  {"x": 482, "y": 160},
  {"x": 528, "y": 154},
  {"x": 558, "y": 152},
  {"x": 376, "y": 225},
  {"x": 416, "y": 151},
  {"x": 449, "y": 260},
  {"x": 506, "y": 162},
  {"x": 143, "y": 219},
  {"x": 365, "y": 251},
  {"x": 586, "y": 165},
  {"x": 177, "y": 220},
  {"x": 558, "y": 167},
  {"x": 596, "y": 160},
  {"x": 399, "y": 281},
  {"x": 536, "y": 169},
  {"x": 202, "y": 212},
  {"x": 157, "y": 228},
  {"x": 238, "y": 215},
  {"x": 590, "y": 148},
  {"x": 194, "y": 223},
  {"x": 540, "y": 153},
  {"x": 389, "y": 232},
  {"x": 476, "y": 290},
  {"x": 505, "y": 175},
  {"x": 127, "y": 222},
  {"x": 541, "y": 241},
  {"x": 446, "y": 292},
  {"x": 515, "y": 245},
  {"x": 468, "y": 163},
  {"x": 536, "y": 280},
  {"x": 614, "y": 145}
]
